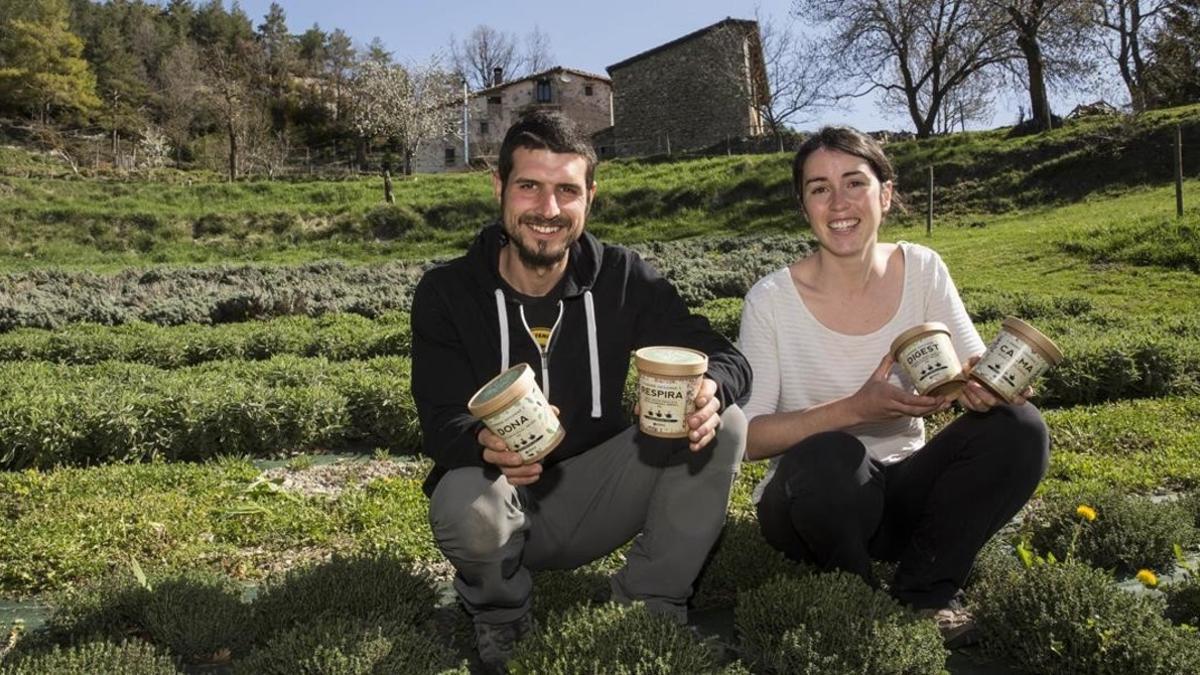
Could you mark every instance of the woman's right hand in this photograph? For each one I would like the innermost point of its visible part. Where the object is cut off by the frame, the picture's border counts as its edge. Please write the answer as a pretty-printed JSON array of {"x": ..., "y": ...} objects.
[{"x": 877, "y": 399}]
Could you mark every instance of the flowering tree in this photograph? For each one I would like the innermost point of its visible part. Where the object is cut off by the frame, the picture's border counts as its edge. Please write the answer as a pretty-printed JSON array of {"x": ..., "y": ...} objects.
[{"x": 408, "y": 105}]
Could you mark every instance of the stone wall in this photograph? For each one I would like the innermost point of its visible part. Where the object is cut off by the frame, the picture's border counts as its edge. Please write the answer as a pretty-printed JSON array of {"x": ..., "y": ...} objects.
[{"x": 691, "y": 93}]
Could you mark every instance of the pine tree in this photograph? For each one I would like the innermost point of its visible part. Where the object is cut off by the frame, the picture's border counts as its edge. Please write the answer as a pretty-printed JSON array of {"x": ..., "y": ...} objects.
[{"x": 41, "y": 66}]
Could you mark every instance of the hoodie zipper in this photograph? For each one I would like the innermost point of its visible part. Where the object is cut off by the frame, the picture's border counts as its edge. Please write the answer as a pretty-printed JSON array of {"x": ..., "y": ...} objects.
[{"x": 544, "y": 352}]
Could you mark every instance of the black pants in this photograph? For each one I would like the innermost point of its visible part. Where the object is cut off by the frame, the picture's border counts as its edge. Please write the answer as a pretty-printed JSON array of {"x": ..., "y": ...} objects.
[{"x": 832, "y": 505}]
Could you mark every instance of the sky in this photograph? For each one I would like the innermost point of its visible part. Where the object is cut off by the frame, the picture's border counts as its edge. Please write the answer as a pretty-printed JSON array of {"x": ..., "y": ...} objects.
[{"x": 587, "y": 36}]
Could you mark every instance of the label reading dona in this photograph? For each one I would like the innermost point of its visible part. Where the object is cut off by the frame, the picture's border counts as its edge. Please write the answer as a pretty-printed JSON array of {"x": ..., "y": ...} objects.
[
  {"x": 928, "y": 361},
  {"x": 664, "y": 404},
  {"x": 527, "y": 425},
  {"x": 1009, "y": 365}
]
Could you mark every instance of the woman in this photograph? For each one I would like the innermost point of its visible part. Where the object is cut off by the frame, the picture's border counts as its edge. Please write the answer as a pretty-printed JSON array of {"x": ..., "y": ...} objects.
[{"x": 851, "y": 478}]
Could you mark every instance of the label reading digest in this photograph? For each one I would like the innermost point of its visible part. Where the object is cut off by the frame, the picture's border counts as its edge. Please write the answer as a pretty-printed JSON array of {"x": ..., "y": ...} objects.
[
  {"x": 665, "y": 403},
  {"x": 926, "y": 361},
  {"x": 1009, "y": 365},
  {"x": 527, "y": 425}
]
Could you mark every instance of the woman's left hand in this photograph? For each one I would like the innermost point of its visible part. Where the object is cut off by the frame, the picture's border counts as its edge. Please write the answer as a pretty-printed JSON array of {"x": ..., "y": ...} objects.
[{"x": 975, "y": 396}]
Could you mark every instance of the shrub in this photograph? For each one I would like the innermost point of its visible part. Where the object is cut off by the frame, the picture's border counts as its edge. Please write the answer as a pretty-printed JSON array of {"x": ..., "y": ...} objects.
[
  {"x": 1122, "y": 365},
  {"x": 612, "y": 638},
  {"x": 707, "y": 268},
  {"x": 198, "y": 615},
  {"x": 1131, "y": 532},
  {"x": 725, "y": 315},
  {"x": 338, "y": 645},
  {"x": 128, "y": 658},
  {"x": 1183, "y": 601},
  {"x": 374, "y": 588},
  {"x": 203, "y": 295},
  {"x": 114, "y": 411},
  {"x": 109, "y": 607},
  {"x": 741, "y": 560},
  {"x": 834, "y": 623},
  {"x": 557, "y": 591},
  {"x": 391, "y": 221},
  {"x": 1071, "y": 618}
]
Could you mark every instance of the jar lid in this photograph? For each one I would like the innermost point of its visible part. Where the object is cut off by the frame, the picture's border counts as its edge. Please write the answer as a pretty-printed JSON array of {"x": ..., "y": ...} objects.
[
  {"x": 1044, "y": 345},
  {"x": 671, "y": 361},
  {"x": 917, "y": 330},
  {"x": 501, "y": 390}
]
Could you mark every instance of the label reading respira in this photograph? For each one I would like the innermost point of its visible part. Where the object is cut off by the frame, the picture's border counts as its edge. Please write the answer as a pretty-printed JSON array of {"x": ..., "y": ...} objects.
[{"x": 666, "y": 402}]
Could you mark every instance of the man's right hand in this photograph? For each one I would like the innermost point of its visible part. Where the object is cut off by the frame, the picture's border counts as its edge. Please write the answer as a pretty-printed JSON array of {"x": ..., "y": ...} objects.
[
  {"x": 495, "y": 451},
  {"x": 877, "y": 399}
]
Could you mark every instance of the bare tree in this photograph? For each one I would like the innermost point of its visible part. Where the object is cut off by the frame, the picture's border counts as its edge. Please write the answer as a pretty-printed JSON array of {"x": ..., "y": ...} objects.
[
  {"x": 972, "y": 102},
  {"x": 228, "y": 91},
  {"x": 537, "y": 56},
  {"x": 339, "y": 61},
  {"x": 799, "y": 76},
  {"x": 916, "y": 51},
  {"x": 179, "y": 85},
  {"x": 1127, "y": 23},
  {"x": 478, "y": 55},
  {"x": 1047, "y": 34},
  {"x": 408, "y": 105}
]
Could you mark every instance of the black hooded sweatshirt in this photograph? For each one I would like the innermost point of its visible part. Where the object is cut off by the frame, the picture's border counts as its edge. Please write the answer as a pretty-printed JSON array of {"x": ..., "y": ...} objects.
[{"x": 613, "y": 302}]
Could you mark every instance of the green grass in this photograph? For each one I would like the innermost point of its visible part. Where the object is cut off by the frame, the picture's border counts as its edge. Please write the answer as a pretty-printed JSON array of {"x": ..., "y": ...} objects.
[
  {"x": 68, "y": 525},
  {"x": 174, "y": 218}
]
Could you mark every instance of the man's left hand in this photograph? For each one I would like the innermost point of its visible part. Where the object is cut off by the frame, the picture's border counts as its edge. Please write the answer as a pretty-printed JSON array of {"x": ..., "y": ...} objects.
[{"x": 704, "y": 422}]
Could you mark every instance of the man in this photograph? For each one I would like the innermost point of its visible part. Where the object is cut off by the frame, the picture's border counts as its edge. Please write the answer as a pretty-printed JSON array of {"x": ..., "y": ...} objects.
[{"x": 536, "y": 288}]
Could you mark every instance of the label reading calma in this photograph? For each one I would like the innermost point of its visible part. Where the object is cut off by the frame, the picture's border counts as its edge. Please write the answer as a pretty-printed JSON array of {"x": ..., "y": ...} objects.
[{"x": 1009, "y": 365}]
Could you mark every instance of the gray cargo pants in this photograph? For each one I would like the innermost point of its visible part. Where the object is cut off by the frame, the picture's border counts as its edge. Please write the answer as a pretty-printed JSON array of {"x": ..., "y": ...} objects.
[{"x": 669, "y": 500}]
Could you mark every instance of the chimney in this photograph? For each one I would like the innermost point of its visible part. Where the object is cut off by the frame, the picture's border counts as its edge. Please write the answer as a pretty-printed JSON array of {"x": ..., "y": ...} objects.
[{"x": 497, "y": 75}]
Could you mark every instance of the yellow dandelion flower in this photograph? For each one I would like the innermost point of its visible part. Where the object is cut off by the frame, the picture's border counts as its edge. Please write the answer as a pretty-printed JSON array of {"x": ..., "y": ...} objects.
[
  {"x": 1148, "y": 578},
  {"x": 1086, "y": 512}
]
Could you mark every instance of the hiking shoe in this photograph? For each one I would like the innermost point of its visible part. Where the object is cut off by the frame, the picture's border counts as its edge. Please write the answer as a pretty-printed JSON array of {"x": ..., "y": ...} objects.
[
  {"x": 955, "y": 623},
  {"x": 494, "y": 642}
]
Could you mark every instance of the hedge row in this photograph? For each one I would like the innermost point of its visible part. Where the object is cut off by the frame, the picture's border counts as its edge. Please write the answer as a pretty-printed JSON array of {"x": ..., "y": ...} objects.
[
  {"x": 360, "y": 614},
  {"x": 225, "y": 294},
  {"x": 338, "y": 337},
  {"x": 706, "y": 268},
  {"x": 52, "y": 414},
  {"x": 114, "y": 411},
  {"x": 1109, "y": 366},
  {"x": 702, "y": 269}
]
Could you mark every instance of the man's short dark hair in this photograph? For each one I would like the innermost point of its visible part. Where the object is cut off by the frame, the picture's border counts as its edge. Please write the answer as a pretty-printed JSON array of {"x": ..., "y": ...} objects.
[{"x": 546, "y": 130}]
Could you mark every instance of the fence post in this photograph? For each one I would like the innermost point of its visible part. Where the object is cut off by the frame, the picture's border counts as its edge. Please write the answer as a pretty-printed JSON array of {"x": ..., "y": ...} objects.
[
  {"x": 1178, "y": 171},
  {"x": 929, "y": 210}
]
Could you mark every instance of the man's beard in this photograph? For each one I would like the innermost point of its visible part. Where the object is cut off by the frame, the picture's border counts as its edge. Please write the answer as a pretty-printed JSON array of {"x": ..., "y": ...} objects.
[{"x": 540, "y": 256}]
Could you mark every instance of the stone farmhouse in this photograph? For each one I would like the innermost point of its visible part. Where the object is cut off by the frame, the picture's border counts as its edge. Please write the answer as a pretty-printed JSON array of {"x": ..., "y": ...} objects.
[
  {"x": 693, "y": 92},
  {"x": 584, "y": 97}
]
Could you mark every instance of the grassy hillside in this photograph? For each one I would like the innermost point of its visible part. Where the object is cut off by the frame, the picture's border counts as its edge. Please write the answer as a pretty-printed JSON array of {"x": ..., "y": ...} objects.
[{"x": 49, "y": 216}]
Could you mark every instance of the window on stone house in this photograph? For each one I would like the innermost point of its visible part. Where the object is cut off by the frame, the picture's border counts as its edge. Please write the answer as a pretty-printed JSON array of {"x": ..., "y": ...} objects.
[
  {"x": 587, "y": 90},
  {"x": 449, "y": 156},
  {"x": 543, "y": 91},
  {"x": 495, "y": 100},
  {"x": 483, "y": 127}
]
